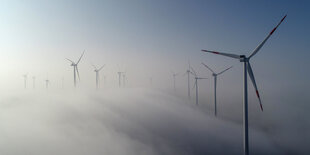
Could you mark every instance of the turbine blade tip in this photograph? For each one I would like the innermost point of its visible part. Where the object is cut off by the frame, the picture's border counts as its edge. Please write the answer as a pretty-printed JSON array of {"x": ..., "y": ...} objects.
[{"x": 283, "y": 18}]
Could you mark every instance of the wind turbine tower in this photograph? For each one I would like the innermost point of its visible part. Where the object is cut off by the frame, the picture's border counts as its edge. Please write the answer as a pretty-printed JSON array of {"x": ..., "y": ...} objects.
[
  {"x": 174, "y": 75},
  {"x": 215, "y": 80},
  {"x": 25, "y": 80},
  {"x": 47, "y": 81},
  {"x": 196, "y": 82},
  {"x": 119, "y": 78},
  {"x": 75, "y": 68},
  {"x": 247, "y": 69},
  {"x": 97, "y": 75},
  {"x": 188, "y": 72}
]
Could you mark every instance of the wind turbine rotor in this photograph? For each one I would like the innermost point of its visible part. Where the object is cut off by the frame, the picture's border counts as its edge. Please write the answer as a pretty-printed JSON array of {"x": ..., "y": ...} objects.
[
  {"x": 80, "y": 57},
  {"x": 77, "y": 71}
]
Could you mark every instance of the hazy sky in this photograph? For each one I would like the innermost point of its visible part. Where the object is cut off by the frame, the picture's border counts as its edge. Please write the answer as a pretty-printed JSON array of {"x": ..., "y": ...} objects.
[{"x": 150, "y": 38}]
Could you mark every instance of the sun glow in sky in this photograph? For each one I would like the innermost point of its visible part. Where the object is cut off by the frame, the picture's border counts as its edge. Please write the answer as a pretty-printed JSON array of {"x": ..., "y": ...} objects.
[
  {"x": 150, "y": 38},
  {"x": 147, "y": 39}
]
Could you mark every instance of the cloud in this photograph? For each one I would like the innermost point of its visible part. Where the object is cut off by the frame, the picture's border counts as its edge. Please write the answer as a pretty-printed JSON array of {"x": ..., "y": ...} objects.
[{"x": 118, "y": 122}]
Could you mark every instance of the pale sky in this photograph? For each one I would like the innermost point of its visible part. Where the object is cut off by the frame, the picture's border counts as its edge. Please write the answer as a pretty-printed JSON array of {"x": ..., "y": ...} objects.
[{"x": 150, "y": 38}]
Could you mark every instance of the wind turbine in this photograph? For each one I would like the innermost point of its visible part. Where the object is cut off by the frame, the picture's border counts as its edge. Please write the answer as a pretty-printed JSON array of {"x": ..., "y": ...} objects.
[
  {"x": 47, "y": 81},
  {"x": 247, "y": 69},
  {"x": 25, "y": 80},
  {"x": 97, "y": 75},
  {"x": 215, "y": 80},
  {"x": 75, "y": 68},
  {"x": 174, "y": 75},
  {"x": 196, "y": 82},
  {"x": 119, "y": 78},
  {"x": 188, "y": 72}
]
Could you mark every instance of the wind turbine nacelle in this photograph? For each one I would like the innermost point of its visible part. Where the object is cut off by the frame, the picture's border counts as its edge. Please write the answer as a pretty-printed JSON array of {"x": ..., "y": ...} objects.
[{"x": 243, "y": 58}]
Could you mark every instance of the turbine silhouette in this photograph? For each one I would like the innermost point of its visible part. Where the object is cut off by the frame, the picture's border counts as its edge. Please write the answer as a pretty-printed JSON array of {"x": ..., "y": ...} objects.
[
  {"x": 97, "y": 75},
  {"x": 75, "y": 68},
  {"x": 247, "y": 69},
  {"x": 174, "y": 75},
  {"x": 215, "y": 81},
  {"x": 196, "y": 82},
  {"x": 25, "y": 80}
]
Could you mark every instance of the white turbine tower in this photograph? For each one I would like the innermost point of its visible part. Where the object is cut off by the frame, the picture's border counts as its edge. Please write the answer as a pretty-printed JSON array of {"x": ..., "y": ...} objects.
[
  {"x": 215, "y": 81},
  {"x": 196, "y": 82},
  {"x": 247, "y": 69},
  {"x": 25, "y": 80},
  {"x": 97, "y": 75},
  {"x": 174, "y": 75},
  {"x": 119, "y": 78},
  {"x": 75, "y": 68},
  {"x": 188, "y": 72},
  {"x": 47, "y": 82}
]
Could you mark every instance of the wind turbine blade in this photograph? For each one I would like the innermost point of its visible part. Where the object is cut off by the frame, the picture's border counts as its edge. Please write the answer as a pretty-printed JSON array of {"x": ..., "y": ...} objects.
[
  {"x": 77, "y": 71},
  {"x": 195, "y": 84},
  {"x": 224, "y": 70},
  {"x": 254, "y": 84},
  {"x": 69, "y": 60},
  {"x": 94, "y": 66},
  {"x": 80, "y": 57},
  {"x": 208, "y": 67},
  {"x": 101, "y": 67},
  {"x": 261, "y": 44},
  {"x": 193, "y": 71},
  {"x": 224, "y": 54},
  {"x": 202, "y": 78}
]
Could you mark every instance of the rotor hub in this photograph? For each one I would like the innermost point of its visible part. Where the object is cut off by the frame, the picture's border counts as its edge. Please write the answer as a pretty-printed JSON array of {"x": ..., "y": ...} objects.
[{"x": 243, "y": 58}]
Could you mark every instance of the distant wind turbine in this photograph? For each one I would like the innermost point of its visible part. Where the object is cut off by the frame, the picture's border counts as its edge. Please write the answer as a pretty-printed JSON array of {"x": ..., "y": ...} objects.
[
  {"x": 247, "y": 69},
  {"x": 47, "y": 81},
  {"x": 188, "y": 72},
  {"x": 119, "y": 78},
  {"x": 196, "y": 82},
  {"x": 75, "y": 68},
  {"x": 97, "y": 75},
  {"x": 25, "y": 80},
  {"x": 174, "y": 75},
  {"x": 215, "y": 80}
]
